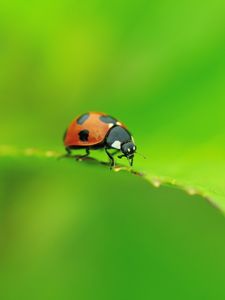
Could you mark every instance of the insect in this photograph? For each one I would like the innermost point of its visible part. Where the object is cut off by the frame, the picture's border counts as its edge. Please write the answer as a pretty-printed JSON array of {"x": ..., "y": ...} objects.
[{"x": 93, "y": 130}]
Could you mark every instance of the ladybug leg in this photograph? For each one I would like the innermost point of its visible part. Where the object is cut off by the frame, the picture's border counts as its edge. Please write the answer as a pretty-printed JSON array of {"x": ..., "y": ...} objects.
[
  {"x": 112, "y": 161},
  {"x": 68, "y": 153},
  {"x": 68, "y": 150},
  {"x": 115, "y": 152},
  {"x": 131, "y": 161},
  {"x": 87, "y": 152},
  {"x": 85, "y": 155}
]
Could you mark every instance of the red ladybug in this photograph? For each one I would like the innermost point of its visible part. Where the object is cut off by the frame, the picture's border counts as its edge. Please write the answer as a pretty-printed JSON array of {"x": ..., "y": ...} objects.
[{"x": 95, "y": 130}]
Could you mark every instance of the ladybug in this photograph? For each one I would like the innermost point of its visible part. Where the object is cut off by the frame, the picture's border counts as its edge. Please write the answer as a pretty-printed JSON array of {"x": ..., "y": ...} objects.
[{"x": 93, "y": 130}]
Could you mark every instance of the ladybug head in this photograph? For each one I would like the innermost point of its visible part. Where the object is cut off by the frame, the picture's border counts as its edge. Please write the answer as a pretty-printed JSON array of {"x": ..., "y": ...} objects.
[{"x": 128, "y": 149}]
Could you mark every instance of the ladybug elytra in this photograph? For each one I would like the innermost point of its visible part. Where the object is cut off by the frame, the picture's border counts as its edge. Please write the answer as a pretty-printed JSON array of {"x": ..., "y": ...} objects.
[{"x": 94, "y": 130}]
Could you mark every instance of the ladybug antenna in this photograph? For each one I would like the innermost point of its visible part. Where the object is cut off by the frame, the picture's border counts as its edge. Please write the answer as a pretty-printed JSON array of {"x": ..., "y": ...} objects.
[
  {"x": 120, "y": 156},
  {"x": 141, "y": 155}
]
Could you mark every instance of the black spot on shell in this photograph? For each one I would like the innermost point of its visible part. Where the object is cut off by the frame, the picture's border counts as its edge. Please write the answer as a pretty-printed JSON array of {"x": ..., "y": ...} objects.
[
  {"x": 108, "y": 119},
  {"x": 82, "y": 119},
  {"x": 84, "y": 134}
]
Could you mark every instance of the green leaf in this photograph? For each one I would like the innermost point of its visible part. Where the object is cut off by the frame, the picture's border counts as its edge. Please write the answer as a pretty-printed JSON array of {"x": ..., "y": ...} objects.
[
  {"x": 76, "y": 230},
  {"x": 190, "y": 176},
  {"x": 159, "y": 67}
]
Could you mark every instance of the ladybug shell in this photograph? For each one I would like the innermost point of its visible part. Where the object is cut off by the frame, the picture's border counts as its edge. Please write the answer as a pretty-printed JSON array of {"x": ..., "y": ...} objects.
[{"x": 89, "y": 129}]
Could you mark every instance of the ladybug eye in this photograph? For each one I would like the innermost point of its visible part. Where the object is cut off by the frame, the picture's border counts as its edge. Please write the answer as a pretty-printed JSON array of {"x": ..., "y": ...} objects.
[
  {"x": 134, "y": 148},
  {"x": 128, "y": 149}
]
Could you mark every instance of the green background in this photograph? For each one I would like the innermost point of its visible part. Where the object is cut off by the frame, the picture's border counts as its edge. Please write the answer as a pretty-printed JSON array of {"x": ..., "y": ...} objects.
[{"x": 77, "y": 230}]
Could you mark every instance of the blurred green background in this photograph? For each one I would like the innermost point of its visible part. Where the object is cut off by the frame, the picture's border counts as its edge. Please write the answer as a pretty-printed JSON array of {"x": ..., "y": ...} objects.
[{"x": 71, "y": 230}]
